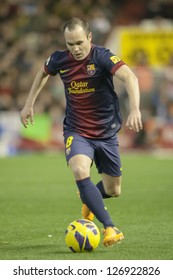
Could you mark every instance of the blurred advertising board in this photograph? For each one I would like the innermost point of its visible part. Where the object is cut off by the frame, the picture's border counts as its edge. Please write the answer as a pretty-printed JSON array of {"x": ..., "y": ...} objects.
[{"x": 155, "y": 44}]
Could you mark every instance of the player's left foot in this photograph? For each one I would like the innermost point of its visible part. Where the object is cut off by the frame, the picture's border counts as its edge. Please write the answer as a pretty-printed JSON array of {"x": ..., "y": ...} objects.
[
  {"x": 112, "y": 235},
  {"x": 86, "y": 213}
]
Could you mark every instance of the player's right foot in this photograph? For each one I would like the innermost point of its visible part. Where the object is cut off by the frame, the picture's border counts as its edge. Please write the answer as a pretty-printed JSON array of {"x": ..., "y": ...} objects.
[
  {"x": 86, "y": 213},
  {"x": 112, "y": 235}
]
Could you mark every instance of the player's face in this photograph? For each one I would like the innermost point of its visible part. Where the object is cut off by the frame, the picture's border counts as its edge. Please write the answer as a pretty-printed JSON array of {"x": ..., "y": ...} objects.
[{"x": 78, "y": 42}]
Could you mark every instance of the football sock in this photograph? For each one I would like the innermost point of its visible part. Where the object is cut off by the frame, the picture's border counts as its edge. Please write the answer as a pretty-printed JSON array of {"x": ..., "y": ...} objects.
[
  {"x": 92, "y": 197},
  {"x": 102, "y": 190}
]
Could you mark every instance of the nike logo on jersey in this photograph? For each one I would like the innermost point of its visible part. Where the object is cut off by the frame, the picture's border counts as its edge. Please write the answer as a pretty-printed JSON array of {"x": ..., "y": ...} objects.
[{"x": 63, "y": 71}]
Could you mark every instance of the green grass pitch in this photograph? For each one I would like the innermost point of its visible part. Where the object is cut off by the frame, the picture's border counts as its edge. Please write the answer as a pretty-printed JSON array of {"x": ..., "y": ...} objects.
[{"x": 38, "y": 200}]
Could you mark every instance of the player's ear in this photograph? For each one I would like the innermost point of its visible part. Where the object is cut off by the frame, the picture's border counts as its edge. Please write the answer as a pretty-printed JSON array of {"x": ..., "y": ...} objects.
[{"x": 90, "y": 36}]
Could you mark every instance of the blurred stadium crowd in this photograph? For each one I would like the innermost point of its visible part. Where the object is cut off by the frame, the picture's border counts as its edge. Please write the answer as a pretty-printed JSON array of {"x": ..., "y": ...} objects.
[{"x": 31, "y": 30}]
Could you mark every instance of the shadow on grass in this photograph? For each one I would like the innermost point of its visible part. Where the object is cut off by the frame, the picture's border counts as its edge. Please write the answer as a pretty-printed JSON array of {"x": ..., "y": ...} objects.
[{"x": 44, "y": 251}]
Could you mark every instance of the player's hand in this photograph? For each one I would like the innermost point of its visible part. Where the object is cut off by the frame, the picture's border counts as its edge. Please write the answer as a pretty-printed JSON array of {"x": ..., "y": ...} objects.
[
  {"x": 27, "y": 116},
  {"x": 134, "y": 121}
]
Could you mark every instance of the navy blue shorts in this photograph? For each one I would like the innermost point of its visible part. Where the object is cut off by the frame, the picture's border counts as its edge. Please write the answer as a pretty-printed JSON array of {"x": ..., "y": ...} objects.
[{"x": 104, "y": 152}]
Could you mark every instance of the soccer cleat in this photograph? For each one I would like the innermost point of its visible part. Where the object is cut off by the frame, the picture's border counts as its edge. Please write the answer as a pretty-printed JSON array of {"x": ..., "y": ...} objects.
[
  {"x": 86, "y": 213},
  {"x": 112, "y": 235}
]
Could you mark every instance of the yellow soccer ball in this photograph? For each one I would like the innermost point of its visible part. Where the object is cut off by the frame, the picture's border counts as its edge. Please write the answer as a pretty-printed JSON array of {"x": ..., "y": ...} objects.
[{"x": 82, "y": 236}]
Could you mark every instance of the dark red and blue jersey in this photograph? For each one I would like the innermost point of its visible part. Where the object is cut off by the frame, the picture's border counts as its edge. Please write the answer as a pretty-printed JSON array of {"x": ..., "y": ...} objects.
[{"x": 92, "y": 105}]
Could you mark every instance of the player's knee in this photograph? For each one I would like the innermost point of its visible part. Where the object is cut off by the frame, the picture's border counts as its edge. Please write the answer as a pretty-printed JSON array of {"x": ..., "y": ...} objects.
[
  {"x": 112, "y": 185},
  {"x": 116, "y": 191},
  {"x": 80, "y": 172}
]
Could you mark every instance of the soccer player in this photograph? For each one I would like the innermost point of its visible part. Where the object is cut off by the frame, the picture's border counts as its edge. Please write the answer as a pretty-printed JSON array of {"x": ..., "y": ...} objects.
[{"x": 92, "y": 118}]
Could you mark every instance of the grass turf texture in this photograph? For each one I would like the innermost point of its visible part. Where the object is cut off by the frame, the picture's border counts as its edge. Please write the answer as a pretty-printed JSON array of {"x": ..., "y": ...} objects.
[{"x": 38, "y": 200}]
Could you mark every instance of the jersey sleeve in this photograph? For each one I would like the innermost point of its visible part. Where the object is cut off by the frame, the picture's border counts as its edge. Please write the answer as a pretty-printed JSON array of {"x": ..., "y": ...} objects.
[
  {"x": 110, "y": 61},
  {"x": 50, "y": 66}
]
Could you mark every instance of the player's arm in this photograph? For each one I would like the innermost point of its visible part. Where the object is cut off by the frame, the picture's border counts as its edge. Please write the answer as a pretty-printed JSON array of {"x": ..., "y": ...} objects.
[
  {"x": 38, "y": 83},
  {"x": 125, "y": 74}
]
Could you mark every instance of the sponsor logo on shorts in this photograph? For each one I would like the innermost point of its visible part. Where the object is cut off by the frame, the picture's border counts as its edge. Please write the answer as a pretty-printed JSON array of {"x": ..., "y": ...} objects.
[
  {"x": 113, "y": 125},
  {"x": 68, "y": 151}
]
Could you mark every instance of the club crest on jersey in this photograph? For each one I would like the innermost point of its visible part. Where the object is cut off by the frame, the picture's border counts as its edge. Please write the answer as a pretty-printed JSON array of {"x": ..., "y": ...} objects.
[{"x": 91, "y": 69}]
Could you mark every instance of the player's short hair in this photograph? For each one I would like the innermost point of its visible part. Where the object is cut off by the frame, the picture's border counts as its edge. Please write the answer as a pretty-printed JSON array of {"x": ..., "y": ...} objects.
[{"x": 73, "y": 22}]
